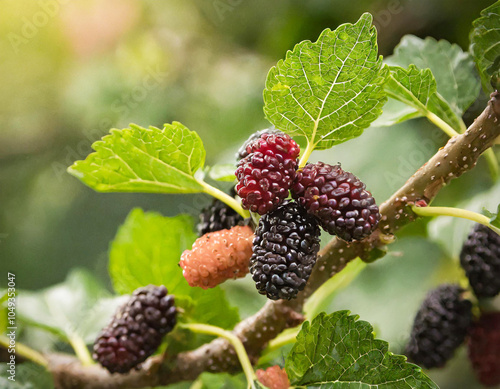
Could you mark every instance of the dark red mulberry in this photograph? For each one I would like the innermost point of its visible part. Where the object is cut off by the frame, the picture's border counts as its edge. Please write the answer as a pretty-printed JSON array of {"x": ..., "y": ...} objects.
[
  {"x": 480, "y": 258},
  {"x": 440, "y": 326},
  {"x": 484, "y": 348},
  {"x": 338, "y": 199},
  {"x": 285, "y": 250},
  {"x": 217, "y": 257},
  {"x": 136, "y": 330},
  {"x": 267, "y": 172}
]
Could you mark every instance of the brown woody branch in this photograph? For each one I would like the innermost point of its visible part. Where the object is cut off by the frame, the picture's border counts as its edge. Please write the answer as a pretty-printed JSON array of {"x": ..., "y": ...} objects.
[{"x": 458, "y": 156}]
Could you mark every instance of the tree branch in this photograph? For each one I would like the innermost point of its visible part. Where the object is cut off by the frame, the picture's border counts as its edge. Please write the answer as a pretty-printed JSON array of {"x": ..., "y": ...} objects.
[{"x": 458, "y": 156}]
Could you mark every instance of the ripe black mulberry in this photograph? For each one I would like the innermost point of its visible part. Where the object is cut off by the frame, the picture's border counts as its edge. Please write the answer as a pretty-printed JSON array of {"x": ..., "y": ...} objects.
[
  {"x": 136, "y": 330},
  {"x": 285, "y": 250}
]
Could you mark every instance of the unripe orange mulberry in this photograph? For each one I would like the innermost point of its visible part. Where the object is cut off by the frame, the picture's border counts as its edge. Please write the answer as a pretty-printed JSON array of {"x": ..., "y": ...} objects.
[
  {"x": 217, "y": 257},
  {"x": 273, "y": 377}
]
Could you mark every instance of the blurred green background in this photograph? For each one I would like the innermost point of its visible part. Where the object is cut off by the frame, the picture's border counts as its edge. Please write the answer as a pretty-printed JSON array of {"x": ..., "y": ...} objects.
[{"x": 70, "y": 71}]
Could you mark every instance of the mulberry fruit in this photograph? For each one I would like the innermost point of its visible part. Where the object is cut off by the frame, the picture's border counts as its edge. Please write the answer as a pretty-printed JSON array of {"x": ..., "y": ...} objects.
[
  {"x": 484, "y": 348},
  {"x": 338, "y": 199},
  {"x": 440, "y": 327},
  {"x": 267, "y": 172},
  {"x": 218, "y": 216},
  {"x": 217, "y": 257},
  {"x": 242, "y": 152},
  {"x": 273, "y": 377},
  {"x": 480, "y": 258},
  {"x": 136, "y": 330},
  {"x": 285, "y": 249}
]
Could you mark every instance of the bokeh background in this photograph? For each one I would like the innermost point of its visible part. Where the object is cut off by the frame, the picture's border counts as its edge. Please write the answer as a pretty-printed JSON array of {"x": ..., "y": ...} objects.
[{"x": 71, "y": 70}]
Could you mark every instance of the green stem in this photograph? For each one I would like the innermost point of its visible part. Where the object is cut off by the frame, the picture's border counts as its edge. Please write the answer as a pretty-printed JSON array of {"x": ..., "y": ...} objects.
[
  {"x": 234, "y": 340},
  {"x": 25, "y": 351},
  {"x": 492, "y": 161},
  {"x": 307, "y": 153},
  {"x": 315, "y": 304},
  {"x": 286, "y": 337},
  {"x": 441, "y": 124},
  {"x": 225, "y": 198},
  {"x": 455, "y": 212},
  {"x": 81, "y": 350}
]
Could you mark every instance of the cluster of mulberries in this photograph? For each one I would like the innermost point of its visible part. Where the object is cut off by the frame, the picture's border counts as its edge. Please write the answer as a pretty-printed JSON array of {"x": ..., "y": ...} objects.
[
  {"x": 440, "y": 326},
  {"x": 285, "y": 249},
  {"x": 136, "y": 330},
  {"x": 217, "y": 257}
]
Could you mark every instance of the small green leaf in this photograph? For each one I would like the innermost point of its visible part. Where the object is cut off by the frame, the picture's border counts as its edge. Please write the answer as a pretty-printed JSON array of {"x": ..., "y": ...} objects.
[
  {"x": 416, "y": 88},
  {"x": 453, "y": 69},
  {"x": 147, "y": 249},
  {"x": 138, "y": 159},
  {"x": 494, "y": 217},
  {"x": 337, "y": 351},
  {"x": 27, "y": 376},
  {"x": 484, "y": 46},
  {"x": 80, "y": 306},
  {"x": 223, "y": 172},
  {"x": 328, "y": 91}
]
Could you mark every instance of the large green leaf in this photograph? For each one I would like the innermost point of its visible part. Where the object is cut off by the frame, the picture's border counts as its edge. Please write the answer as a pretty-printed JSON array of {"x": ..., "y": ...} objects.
[
  {"x": 330, "y": 90},
  {"x": 78, "y": 307},
  {"x": 138, "y": 159},
  {"x": 456, "y": 77},
  {"x": 484, "y": 44},
  {"x": 147, "y": 249},
  {"x": 337, "y": 351}
]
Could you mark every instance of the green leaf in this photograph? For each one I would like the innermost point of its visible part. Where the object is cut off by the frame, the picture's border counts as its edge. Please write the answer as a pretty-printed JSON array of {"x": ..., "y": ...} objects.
[
  {"x": 138, "y": 159},
  {"x": 28, "y": 376},
  {"x": 147, "y": 249},
  {"x": 484, "y": 45},
  {"x": 494, "y": 217},
  {"x": 223, "y": 172},
  {"x": 80, "y": 307},
  {"x": 337, "y": 351},
  {"x": 415, "y": 88},
  {"x": 456, "y": 77},
  {"x": 328, "y": 91}
]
